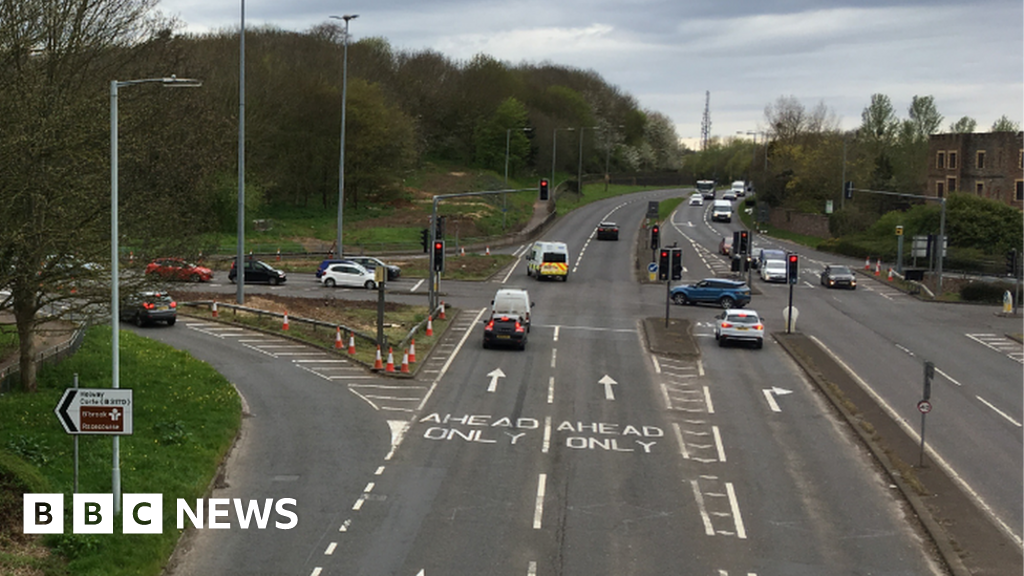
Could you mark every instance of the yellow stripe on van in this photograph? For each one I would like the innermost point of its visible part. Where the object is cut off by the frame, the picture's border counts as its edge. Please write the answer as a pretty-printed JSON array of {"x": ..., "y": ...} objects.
[{"x": 554, "y": 269}]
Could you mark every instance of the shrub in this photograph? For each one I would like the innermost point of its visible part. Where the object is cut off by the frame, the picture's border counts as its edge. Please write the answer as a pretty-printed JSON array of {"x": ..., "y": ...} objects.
[{"x": 984, "y": 292}]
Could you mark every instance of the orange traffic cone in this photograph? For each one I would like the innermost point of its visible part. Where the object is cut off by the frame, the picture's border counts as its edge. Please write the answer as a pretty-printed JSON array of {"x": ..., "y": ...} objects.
[
  {"x": 378, "y": 364},
  {"x": 390, "y": 367},
  {"x": 430, "y": 326},
  {"x": 412, "y": 351},
  {"x": 890, "y": 274},
  {"x": 488, "y": 251},
  {"x": 337, "y": 338},
  {"x": 405, "y": 362},
  {"x": 878, "y": 267},
  {"x": 214, "y": 309},
  {"x": 462, "y": 251},
  {"x": 351, "y": 343},
  {"x": 867, "y": 263},
  {"x": 441, "y": 315},
  {"x": 285, "y": 326},
  {"x": 278, "y": 254}
]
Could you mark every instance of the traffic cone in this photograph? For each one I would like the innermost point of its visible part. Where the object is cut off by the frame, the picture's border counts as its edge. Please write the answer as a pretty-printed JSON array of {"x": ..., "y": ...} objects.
[
  {"x": 430, "y": 326},
  {"x": 405, "y": 362},
  {"x": 890, "y": 274},
  {"x": 337, "y": 338},
  {"x": 378, "y": 364},
  {"x": 867, "y": 263},
  {"x": 214, "y": 309},
  {"x": 441, "y": 315},
  {"x": 412, "y": 351},
  {"x": 488, "y": 251},
  {"x": 878, "y": 267},
  {"x": 462, "y": 251},
  {"x": 278, "y": 254},
  {"x": 285, "y": 326},
  {"x": 351, "y": 343},
  {"x": 390, "y": 367}
]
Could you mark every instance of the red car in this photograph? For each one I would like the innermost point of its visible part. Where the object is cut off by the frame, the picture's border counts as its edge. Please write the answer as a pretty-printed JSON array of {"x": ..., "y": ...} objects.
[{"x": 178, "y": 269}]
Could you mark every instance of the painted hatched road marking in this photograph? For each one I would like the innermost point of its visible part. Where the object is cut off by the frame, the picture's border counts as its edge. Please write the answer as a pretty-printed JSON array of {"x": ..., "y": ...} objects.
[{"x": 1001, "y": 344}]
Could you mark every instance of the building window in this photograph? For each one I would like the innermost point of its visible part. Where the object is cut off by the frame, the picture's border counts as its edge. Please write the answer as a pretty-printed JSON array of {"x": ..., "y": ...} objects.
[
  {"x": 940, "y": 190},
  {"x": 979, "y": 188},
  {"x": 951, "y": 184},
  {"x": 940, "y": 159},
  {"x": 952, "y": 160},
  {"x": 981, "y": 159},
  {"x": 1020, "y": 190},
  {"x": 1020, "y": 164}
]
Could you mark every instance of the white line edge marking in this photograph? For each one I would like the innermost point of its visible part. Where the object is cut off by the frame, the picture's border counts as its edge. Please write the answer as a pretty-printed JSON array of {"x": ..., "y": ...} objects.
[
  {"x": 707, "y": 400},
  {"x": 668, "y": 401},
  {"x": 771, "y": 400},
  {"x": 657, "y": 365},
  {"x": 947, "y": 377},
  {"x": 708, "y": 528},
  {"x": 554, "y": 354},
  {"x": 998, "y": 411},
  {"x": 700, "y": 367},
  {"x": 679, "y": 438},
  {"x": 417, "y": 285},
  {"x": 741, "y": 532},
  {"x": 718, "y": 443},
  {"x": 538, "y": 511},
  {"x": 929, "y": 449},
  {"x": 547, "y": 435}
]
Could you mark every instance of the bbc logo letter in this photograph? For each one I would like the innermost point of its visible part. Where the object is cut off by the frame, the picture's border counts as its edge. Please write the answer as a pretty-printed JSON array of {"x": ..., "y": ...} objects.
[{"x": 93, "y": 514}]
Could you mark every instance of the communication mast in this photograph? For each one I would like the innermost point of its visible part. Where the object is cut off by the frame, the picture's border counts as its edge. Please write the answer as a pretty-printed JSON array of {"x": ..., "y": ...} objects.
[{"x": 705, "y": 126}]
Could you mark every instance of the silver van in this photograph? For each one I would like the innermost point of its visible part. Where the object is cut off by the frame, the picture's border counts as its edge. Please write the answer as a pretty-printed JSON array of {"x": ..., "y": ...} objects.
[{"x": 721, "y": 211}]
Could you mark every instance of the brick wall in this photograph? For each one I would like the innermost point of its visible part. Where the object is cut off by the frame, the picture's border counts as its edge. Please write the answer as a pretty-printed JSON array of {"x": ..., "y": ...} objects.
[{"x": 793, "y": 221}]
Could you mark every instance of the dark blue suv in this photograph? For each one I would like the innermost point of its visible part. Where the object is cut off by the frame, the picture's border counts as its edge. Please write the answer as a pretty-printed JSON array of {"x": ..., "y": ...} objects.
[{"x": 725, "y": 293}]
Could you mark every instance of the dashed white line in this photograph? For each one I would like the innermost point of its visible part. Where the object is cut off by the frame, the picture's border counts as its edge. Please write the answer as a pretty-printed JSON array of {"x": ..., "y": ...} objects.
[
  {"x": 998, "y": 411},
  {"x": 551, "y": 390},
  {"x": 538, "y": 512},
  {"x": 771, "y": 400},
  {"x": 316, "y": 571},
  {"x": 531, "y": 569},
  {"x": 657, "y": 365},
  {"x": 682, "y": 445},
  {"x": 707, "y": 400},
  {"x": 330, "y": 548},
  {"x": 556, "y": 333},
  {"x": 554, "y": 355},
  {"x": 718, "y": 443},
  {"x": 417, "y": 285},
  {"x": 547, "y": 435}
]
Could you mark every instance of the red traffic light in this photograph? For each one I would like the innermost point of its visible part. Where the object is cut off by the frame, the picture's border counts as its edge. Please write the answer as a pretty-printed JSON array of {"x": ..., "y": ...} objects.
[
  {"x": 664, "y": 253},
  {"x": 792, "y": 258},
  {"x": 655, "y": 229},
  {"x": 438, "y": 246}
]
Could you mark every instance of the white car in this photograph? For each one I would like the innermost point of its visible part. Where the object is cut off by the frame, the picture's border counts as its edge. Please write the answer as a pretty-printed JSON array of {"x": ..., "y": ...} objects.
[
  {"x": 348, "y": 274},
  {"x": 697, "y": 200},
  {"x": 739, "y": 188},
  {"x": 739, "y": 325},
  {"x": 774, "y": 271}
]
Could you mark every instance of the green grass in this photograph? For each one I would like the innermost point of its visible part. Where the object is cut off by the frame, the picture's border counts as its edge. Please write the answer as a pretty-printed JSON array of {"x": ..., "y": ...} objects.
[
  {"x": 8, "y": 340},
  {"x": 185, "y": 417},
  {"x": 568, "y": 201}
]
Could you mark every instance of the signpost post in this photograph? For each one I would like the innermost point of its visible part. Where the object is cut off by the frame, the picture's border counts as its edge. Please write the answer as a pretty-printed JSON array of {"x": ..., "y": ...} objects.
[{"x": 925, "y": 405}]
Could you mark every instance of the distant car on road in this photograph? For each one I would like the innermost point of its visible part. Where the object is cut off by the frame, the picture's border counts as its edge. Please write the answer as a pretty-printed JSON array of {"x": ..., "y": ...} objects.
[
  {"x": 149, "y": 307},
  {"x": 348, "y": 274},
  {"x": 739, "y": 326},
  {"x": 607, "y": 231},
  {"x": 725, "y": 246},
  {"x": 696, "y": 199},
  {"x": 371, "y": 264},
  {"x": 774, "y": 271},
  {"x": 706, "y": 189},
  {"x": 765, "y": 254},
  {"x": 725, "y": 293},
  {"x": 326, "y": 263},
  {"x": 729, "y": 195},
  {"x": 258, "y": 271},
  {"x": 838, "y": 276},
  {"x": 179, "y": 269},
  {"x": 721, "y": 211},
  {"x": 739, "y": 187}
]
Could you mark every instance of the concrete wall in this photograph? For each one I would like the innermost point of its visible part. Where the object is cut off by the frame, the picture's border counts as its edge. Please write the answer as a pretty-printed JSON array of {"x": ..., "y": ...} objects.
[{"x": 792, "y": 221}]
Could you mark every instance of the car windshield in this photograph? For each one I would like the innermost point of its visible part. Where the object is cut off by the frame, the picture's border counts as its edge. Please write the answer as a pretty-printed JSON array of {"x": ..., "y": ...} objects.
[
  {"x": 840, "y": 270},
  {"x": 775, "y": 265}
]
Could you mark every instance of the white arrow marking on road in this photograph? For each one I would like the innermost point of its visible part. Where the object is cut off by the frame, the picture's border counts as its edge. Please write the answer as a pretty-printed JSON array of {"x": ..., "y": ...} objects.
[
  {"x": 608, "y": 382},
  {"x": 494, "y": 374},
  {"x": 780, "y": 391},
  {"x": 771, "y": 399}
]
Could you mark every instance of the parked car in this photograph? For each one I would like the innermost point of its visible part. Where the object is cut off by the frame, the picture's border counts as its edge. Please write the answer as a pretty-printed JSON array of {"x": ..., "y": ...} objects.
[
  {"x": 258, "y": 271},
  {"x": 371, "y": 264},
  {"x": 149, "y": 307},
  {"x": 725, "y": 246},
  {"x": 696, "y": 199},
  {"x": 348, "y": 274},
  {"x": 726, "y": 293},
  {"x": 774, "y": 271},
  {"x": 838, "y": 276},
  {"x": 324, "y": 264},
  {"x": 739, "y": 326},
  {"x": 607, "y": 231},
  {"x": 179, "y": 269}
]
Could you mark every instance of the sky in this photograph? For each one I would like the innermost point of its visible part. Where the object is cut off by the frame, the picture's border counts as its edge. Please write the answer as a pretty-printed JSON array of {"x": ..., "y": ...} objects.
[{"x": 668, "y": 54}]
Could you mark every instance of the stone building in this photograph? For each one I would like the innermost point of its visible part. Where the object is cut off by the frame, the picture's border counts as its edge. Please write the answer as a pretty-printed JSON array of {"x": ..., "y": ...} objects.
[{"x": 987, "y": 164}]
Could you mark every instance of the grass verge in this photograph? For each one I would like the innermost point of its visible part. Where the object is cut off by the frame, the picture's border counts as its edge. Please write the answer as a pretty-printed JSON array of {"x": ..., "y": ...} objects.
[{"x": 185, "y": 415}]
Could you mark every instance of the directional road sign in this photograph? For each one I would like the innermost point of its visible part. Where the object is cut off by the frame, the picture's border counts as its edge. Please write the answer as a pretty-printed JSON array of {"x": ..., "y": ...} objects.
[{"x": 96, "y": 411}]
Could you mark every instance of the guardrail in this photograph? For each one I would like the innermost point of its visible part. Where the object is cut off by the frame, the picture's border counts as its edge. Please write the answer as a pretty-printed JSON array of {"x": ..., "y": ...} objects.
[
  {"x": 55, "y": 353},
  {"x": 299, "y": 320}
]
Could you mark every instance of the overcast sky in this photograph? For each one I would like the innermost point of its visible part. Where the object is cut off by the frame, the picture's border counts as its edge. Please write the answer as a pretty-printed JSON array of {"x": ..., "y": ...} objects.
[{"x": 667, "y": 53}]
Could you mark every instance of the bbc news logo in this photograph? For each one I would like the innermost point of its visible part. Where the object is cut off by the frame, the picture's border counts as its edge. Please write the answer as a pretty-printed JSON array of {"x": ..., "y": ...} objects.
[{"x": 143, "y": 513}]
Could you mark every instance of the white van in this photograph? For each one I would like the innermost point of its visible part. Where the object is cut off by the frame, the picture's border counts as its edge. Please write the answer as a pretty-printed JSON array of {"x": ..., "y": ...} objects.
[
  {"x": 721, "y": 211},
  {"x": 739, "y": 188},
  {"x": 548, "y": 260},
  {"x": 514, "y": 303}
]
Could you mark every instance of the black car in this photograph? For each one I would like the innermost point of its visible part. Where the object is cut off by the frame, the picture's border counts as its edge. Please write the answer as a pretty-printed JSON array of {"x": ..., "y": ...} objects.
[
  {"x": 149, "y": 307},
  {"x": 257, "y": 271},
  {"x": 505, "y": 330},
  {"x": 371, "y": 263},
  {"x": 838, "y": 276},
  {"x": 607, "y": 231}
]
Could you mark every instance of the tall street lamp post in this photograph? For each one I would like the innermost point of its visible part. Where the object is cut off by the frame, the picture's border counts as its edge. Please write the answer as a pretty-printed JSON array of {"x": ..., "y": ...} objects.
[
  {"x": 115, "y": 294},
  {"x": 554, "y": 152},
  {"x": 341, "y": 162},
  {"x": 508, "y": 140},
  {"x": 240, "y": 242},
  {"x": 579, "y": 170}
]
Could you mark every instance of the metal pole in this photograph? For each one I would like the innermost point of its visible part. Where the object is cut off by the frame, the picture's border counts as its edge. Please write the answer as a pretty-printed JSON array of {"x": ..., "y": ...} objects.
[
  {"x": 240, "y": 248},
  {"x": 842, "y": 184},
  {"x": 431, "y": 274},
  {"x": 554, "y": 151},
  {"x": 508, "y": 137},
  {"x": 341, "y": 162},
  {"x": 579, "y": 170},
  {"x": 115, "y": 310},
  {"x": 942, "y": 246},
  {"x": 789, "y": 311},
  {"x": 75, "y": 486},
  {"x": 920, "y": 462},
  {"x": 668, "y": 295},
  {"x": 899, "y": 252}
]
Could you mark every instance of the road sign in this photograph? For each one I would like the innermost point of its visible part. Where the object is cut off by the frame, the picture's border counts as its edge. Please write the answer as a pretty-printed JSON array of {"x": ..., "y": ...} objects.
[
  {"x": 96, "y": 411},
  {"x": 924, "y": 406},
  {"x": 652, "y": 267}
]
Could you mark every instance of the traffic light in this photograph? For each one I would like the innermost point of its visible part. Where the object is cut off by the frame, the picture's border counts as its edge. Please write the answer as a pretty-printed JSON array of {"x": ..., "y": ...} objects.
[
  {"x": 848, "y": 190},
  {"x": 654, "y": 238},
  {"x": 439, "y": 232},
  {"x": 543, "y": 188},
  {"x": 438, "y": 255},
  {"x": 744, "y": 242},
  {"x": 791, "y": 267},
  {"x": 425, "y": 240},
  {"x": 677, "y": 263},
  {"x": 1011, "y": 263},
  {"x": 663, "y": 265}
]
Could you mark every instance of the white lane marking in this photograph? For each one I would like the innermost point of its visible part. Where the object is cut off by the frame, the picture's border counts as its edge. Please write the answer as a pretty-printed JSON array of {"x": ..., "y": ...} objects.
[
  {"x": 609, "y": 394},
  {"x": 905, "y": 349},
  {"x": 935, "y": 456},
  {"x": 556, "y": 333},
  {"x": 547, "y": 435},
  {"x": 708, "y": 528},
  {"x": 771, "y": 400},
  {"x": 330, "y": 548},
  {"x": 657, "y": 365},
  {"x": 345, "y": 525},
  {"x": 998, "y": 411},
  {"x": 398, "y": 429},
  {"x": 718, "y": 443},
  {"x": 517, "y": 256},
  {"x": 668, "y": 400},
  {"x": 359, "y": 503},
  {"x": 538, "y": 511},
  {"x": 369, "y": 488},
  {"x": 316, "y": 571},
  {"x": 531, "y": 570},
  {"x": 380, "y": 470},
  {"x": 700, "y": 367},
  {"x": 551, "y": 390},
  {"x": 741, "y": 532},
  {"x": 448, "y": 362},
  {"x": 707, "y": 400},
  {"x": 554, "y": 354},
  {"x": 417, "y": 285},
  {"x": 948, "y": 377},
  {"x": 679, "y": 438}
]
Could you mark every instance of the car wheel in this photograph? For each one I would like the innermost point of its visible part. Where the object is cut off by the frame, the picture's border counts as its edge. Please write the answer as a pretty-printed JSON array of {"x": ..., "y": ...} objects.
[
  {"x": 727, "y": 302},
  {"x": 679, "y": 299},
  {"x": 139, "y": 321},
  {"x": 329, "y": 282},
  {"x": 721, "y": 342},
  {"x": 522, "y": 346},
  {"x": 273, "y": 281},
  {"x": 759, "y": 344},
  {"x": 172, "y": 321},
  {"x": 370, "y": 285},
  {"x": 486, "y": 345},
  {"x": 194, "y": 278}
]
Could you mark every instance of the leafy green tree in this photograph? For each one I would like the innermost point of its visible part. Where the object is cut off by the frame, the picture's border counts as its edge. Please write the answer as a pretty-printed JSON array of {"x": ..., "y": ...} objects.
[
  {"x": 1004, "y": 124},
  {"x": 964, "y": 125},
  {"x": 510, "y": 121}
]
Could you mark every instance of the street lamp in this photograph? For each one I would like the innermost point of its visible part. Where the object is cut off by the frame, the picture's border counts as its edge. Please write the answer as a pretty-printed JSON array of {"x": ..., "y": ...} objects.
[
  {"x": 115, "y": 305},
  {"x": 341, "y": 162},
  {"x": 579, "y": 171},
  {"x": 554, "y": 152},
  {"x": 508, "y": 138}
]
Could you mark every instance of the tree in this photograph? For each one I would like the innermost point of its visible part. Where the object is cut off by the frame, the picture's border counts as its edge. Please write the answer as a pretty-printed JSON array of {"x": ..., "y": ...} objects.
[
  {"x": 1004, "y": 124},
  {"x": 964, "y": 125},
  {"x": 508, "y": 121}
]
